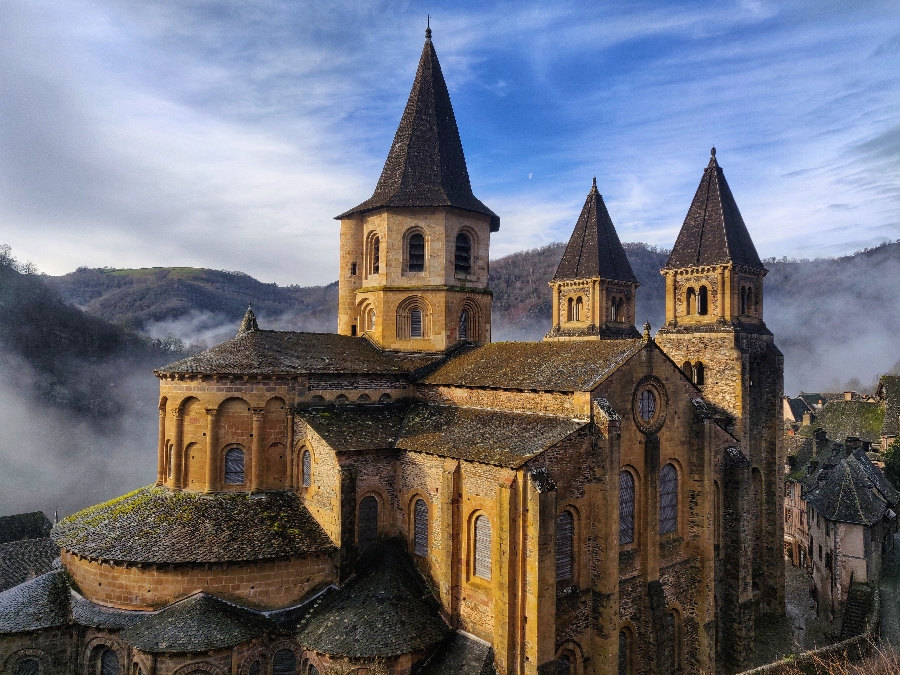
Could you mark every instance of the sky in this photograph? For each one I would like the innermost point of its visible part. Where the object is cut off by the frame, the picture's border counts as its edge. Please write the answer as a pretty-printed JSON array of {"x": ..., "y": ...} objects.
[{"x": 227, "y": 135}]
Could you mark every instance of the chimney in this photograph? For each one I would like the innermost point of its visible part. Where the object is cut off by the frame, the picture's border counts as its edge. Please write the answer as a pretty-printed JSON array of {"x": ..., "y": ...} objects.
[
  {"x": 851, "y": 444},
  {"x": 821, "y": 441},
  {"x": 807, "y": 418},
  {"x": 848, "y": 395}
]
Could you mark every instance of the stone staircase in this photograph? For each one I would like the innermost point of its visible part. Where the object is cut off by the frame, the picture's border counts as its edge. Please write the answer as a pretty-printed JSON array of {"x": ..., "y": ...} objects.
[{"x": 859, "y": 602}]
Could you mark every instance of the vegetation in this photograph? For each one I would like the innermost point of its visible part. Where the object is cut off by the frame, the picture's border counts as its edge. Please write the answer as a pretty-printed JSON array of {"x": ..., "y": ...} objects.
[{"x": 891, "y": 458}]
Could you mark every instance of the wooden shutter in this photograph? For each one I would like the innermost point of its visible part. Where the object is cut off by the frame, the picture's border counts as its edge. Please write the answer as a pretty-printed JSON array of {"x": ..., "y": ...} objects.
[
  {"x": 420, "y": 527},
  {"x": 284, "y": 663},
  {"x": 668, "y": 499},
  {"x": 368, "y": 521},
  {"x": 565, "y": 544},
  {"x": 483, "y": 547},
  {"x": 307, "y": 469},
  {"x": 463, "y": 262},
  {"x": 626, "y": 508},
  {"x": 109, "y": 663},
  {"x": 417, "y": 253},
  {"x": 234, "y": 467}
]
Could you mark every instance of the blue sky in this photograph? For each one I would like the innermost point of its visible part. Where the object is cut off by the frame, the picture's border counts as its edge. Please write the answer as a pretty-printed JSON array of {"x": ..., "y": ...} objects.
[{"x": 228, "y": 134}]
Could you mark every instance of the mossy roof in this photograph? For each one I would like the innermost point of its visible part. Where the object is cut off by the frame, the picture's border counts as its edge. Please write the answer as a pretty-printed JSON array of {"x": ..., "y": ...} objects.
[
  {"x": 20, "y": 526},
  {"x": 889, "y": 387},
  {"x": 544, "y": 366},
  {"x": 358, "y": 427},
  {"x": 461, "y": 654},
  {"x": 842, "y": 419},
  {"x": 42, "y": 602},
  {"x": 26, "y": 559},
  {"x": 850, "y": 492},
  {"x": 155, "y": 525}
]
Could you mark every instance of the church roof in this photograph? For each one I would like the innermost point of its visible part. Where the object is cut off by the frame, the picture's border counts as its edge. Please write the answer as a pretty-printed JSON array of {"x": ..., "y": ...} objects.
[
  {"x": 541, "y": 366},
  {"x": 360, "y": 427},
  {"x": 32, "y": 525},
  {"x": 270, "y": 352},
  {"x": 713, "y": 232},
  {"x": 26, "y": 559},
  {"x": 848, "y": 493},
  {"x": 461, "y": 654},
  {"x": 155, "y": 525},
  {"x": 594, "y": 249},
  {"x": 426, "y": 166},
  {"x": 42, "y": 602}
]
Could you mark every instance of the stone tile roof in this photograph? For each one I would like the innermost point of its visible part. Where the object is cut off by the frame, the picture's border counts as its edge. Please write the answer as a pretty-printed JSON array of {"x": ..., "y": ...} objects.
[
  {"x": 86, "y": 613},
  {"x": 543, "y": 366},
  {"x": 154, "y": 525},
  {"x": 798, "y": 406},
  {"x": 32, "y": 525},
  {"x": 490, "y": 436},
  {"x": 386, "y": 610},
  {"x": 594, "y": 249},
  {"x": 713, "y": 231},
  {"x": 426, "y": 166},
  {"x": 889, "y": 390},
  {"x": 198, "y": 623},
  {"x": 812, "y": 400},
  {"x": 26, "y": 559},
  {"x": 363, "y": 427},
  {"x": 270, "y": 352},
  {"x": 852, "y": 418},
  {"x": 42, "y": 602},
  {"x": 461, "y": 654}
]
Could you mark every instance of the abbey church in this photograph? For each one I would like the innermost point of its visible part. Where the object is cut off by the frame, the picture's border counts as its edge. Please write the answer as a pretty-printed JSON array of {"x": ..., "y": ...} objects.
[{"x": 406, "y": 497}]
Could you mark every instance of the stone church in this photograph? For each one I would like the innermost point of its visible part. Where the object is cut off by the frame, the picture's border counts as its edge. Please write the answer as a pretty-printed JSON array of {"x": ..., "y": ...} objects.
[{"x": 405, "y": 496}]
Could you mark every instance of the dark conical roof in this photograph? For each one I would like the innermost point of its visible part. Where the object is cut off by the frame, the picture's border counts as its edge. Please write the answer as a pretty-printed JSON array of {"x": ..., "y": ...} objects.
[
  {"x": 594, "y": 249},
  {"x": 248, "y": 323},
  {"x": 713, "y": 232},
  {"x": 426, "y": 165}
]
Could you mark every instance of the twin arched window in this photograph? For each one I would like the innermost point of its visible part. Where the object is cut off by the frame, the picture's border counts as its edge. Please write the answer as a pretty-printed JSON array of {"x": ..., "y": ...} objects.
[
  {"x": 416, "y": 252},
  {"x": 668, "y": 499},
  {"x": 482, "y": 555},
  {"x": 565, "y": 546},
  {"x": 746, "y": 300},
  {"x": 306, "y": 468},
  {"x": 697, "y": 302},
  {"x": 234, "y": 466},
  {"x": 695, "y": 372},
  {"x": 575, "y": 309},
  {"x": 368, "y": 522},
  {"x": 284, "y": 662},
  {"x": 420, "y": 528},
  {"x": 626, "y": 508},
  {"x": 617, "y": 310},
  {"x": 463, "y": 257}
]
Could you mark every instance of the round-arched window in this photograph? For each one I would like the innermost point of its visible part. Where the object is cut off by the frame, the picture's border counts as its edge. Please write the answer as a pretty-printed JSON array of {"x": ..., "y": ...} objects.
[
  {"x": 626, "y": 508},
  {"x": 668, "y": 499},
  {"x": 109, "y": 663},
  {"x": 307, "y": 468},
  {"x": 464, "y": 325},
  {"x": 416, "y": 252},
  {"x": 420, "y": 527},
  {"x": 463, "y": 258},
  {"x": 28, "y": 666},
  {"x": 284, "y": 662},
  {"x": 255, "y": 668},
  {"x": 565, "y": 546},
  {"x": 482, "y": 561},
  {"x": 415, "y": 323},
  {"x": 368, "y": 521},
  {"x": 234, "y": 466}
]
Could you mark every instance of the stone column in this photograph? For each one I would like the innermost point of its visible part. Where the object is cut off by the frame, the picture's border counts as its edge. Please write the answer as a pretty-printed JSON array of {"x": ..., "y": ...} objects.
[
  {"x": 729, "y": 275},
  {"x": 449, "y": 540},
  {"x": 721, "y": 302},
  {"x": 290, "y": 482},
  {"x": 161, "y": 449},
  {"x": 212, "y": 450},
  {"x": 670, "y": 295},
  {"x": 554, "y": 295},
  {"x": 256, "y": 457},
  {"x": 540, "y": 601},
  {"x": 178, "y": 451},
  {"x": 504, "y": 574}
]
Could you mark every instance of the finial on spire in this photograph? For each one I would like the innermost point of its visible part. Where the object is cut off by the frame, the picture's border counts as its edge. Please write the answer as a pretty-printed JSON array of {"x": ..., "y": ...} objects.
[
  {"x": 428, "y": 28},
  {"x": 594, "y": 184},
  {"x": 647, "y": 331},
  {"x": 713, "y": 151},
  {"x": 248, "y": 324}
]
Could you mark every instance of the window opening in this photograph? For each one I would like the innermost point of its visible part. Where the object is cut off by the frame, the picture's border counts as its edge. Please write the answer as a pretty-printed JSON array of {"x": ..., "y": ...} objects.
[
  {"x": 565, "y": 546},
  {"x": 169, "y": 462},
  {"x": 417, "y": 253},
  {"x": 691, "y": 301},
  {"x": 564, "y": 665},
  {"x": 482, "y": 566},
  {"x": 353, "y": 330},
  {"x": 420, "y": 527},
  {"x": 624, "y": 654},
  {"x": 702, "y": 300},
  {"x": 626, "y": 508},
  {"x": 415, "y": 323},
  {"x": 368, "y": 521},
  {"x": 570, "y": 313},
  {"x": 234, "y": 466},
  {"x": 699, "y": 373},
  {"x": 647, "y": 405},
  {"x": 306, "y": 462},
  {"x": 463, "y": 262},
  {"x": 28, "y": 667},
  {"x": 668, "y": 499},
  {"x": 464, "y": 325},
  {"x": 376, "y": 255},
  {"x": 743, "y": 300},
  {"x": 579, "y": 305},
  {"x": 352, "y": 269},
  {"x": 284, "y": 662},
  {"x": 254, "y": 669},
  {"x": 313, "y": 670},
  {"x": 109, "y": 663}
]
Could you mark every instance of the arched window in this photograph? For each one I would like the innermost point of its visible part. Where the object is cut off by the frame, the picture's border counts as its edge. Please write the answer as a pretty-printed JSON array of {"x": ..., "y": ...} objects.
[
  {"x": 564, "y": 665},
  {"x": 234, "y": 466},
  {"x": 688, "y": 369},
  {"x": 284, "y": 663},
  {"x": 699, "y": 373},
  {"x": 368, "y": 521},
  {"x": 376, "y": 255},
  {"x": 109, "y": 663},
  {"x": 702, "y": 300},
  {"x": 306, "y": 464},
  {"x": 743, "y": 300},
  {"x": 415, "y": 323},
  {"x": 312, "y": 670},
  {"x": 673, "y": 652},
  {"x": 169, "y": 459},
  {"x": 565, "y": 546},
  {"x": 579, "y": 306},
  {"x": 668, "y": 499},
  {"x": 255, "y": 668},
  {"x": 416, "y": 252},
  {"x": 420, "y": 528},
  {"x": 626, "y": 508},
  {"x": 464, "y": 325},
  {"x": 482, "y": 557},
  {"x": 570, "y": 313},
  {"x": 750, "y": 300},
  {"x": 370, "y": 319},
  {"x": 625, "y": 661},
  {"x": 28, "y": 666},
  {"x": 341, "y": 399},
  {"x": 690, "y": 301},
  {"x": 463, "y": 261},
  {"x": 384, "y": 398}
]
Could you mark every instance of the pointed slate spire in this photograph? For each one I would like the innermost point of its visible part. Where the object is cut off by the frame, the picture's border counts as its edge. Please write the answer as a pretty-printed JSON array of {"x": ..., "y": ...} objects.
[
  {"x": 594, "y": 249},
  {"x": 426, "y": 165},
  {"x": 713, "y": 232},
  {"x": 248, "y": 323}
]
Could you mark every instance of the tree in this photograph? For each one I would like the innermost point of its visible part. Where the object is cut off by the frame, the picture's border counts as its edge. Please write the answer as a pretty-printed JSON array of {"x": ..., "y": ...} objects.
[{"x": 892, "y": 462}]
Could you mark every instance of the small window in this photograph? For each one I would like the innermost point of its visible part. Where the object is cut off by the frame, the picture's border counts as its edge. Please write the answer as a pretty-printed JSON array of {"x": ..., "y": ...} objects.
[
  {"x": 312, "y": 670},
  {"x": 699, "y": 373},
  {"x": 370, "y": 319},
  {"x": 690, "y": 301},
  {"x": 579, "y": 307},
  {"x": 234, "y": 466},
  {"x": 464, "y": 325},
  {"x": 306, "y": 462},
  {"x": 376, "y": 255},
  {"x": 284, "y": 663},
  {"x": 702, "y": 300},
  {"x": 564, "y": 665},
  {"x": 352, "y": 269},
  {"x": 668, "y": 499},
  {"x": 417, "y": 253},
  {"x": 420, "y": 527},
  {"x": 482, "y": 562},
  {"x": 109, "y": 663},
  {"x": 624, "y": 652},
  {"x": 384, "y": 398},
  {"x": 353, "y": 330},
  {"x": 254, "y": 669},
  {"x": 673, "y": 653},
  {"x": 368, "y": 521},
  {"x": 565, "y": 546},
  {"x": 28, "y": 666},
  {"x": 626, "y": 508},
  {"x": 463, "y": 260},
  {"x": 415, "y": 323},
  {"x": 570, "y": 313}
]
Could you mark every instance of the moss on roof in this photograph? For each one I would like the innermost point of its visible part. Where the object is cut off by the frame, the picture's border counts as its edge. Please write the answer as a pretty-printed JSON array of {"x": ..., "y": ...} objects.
[
  {"x": 155, "y": 525},
  {"x": 20, "y": 526},
  {"x": 42, "y": 602},
  {"x": 363, "y": 427},
  {"x": 852, "y": 418},
  {"x": 889, "y": 389},
  {"x": 26, "y": 559}
]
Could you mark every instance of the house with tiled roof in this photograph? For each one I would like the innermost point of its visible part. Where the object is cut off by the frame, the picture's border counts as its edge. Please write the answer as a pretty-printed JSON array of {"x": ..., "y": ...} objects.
[{"x": 405, "y": 496}]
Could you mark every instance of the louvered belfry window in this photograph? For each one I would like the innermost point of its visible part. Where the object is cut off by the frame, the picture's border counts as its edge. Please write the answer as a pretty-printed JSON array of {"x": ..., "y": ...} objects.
[
  {"x": 565, "y": 546},
  {"x": 463, "y": 261},
  {"x": 626, "y": 508},
  {"x": 234, "y": 466},
  {"x": 417, "y": 253},
  {"x": 482, "y": 566},
  {"x": 368, "y": 521},
  {"x": 307, "y": 469},
  {"x": 668, "y": 499},
  {"x": 415, "y": 323},
  {"x": 420, "y": 527},
  {"x": 109, "y": 663},
  {"x": 284, "y": 663}
]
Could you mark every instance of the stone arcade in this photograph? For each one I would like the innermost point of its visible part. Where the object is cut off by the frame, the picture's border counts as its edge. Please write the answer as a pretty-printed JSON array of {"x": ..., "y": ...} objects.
[{"x": 405, "y": 496}]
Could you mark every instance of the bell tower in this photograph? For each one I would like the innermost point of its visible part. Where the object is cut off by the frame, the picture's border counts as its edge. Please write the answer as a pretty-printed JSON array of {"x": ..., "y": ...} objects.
[
  {"x": 715, "y": 331},
  {"x": 414, "y": 256}
]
